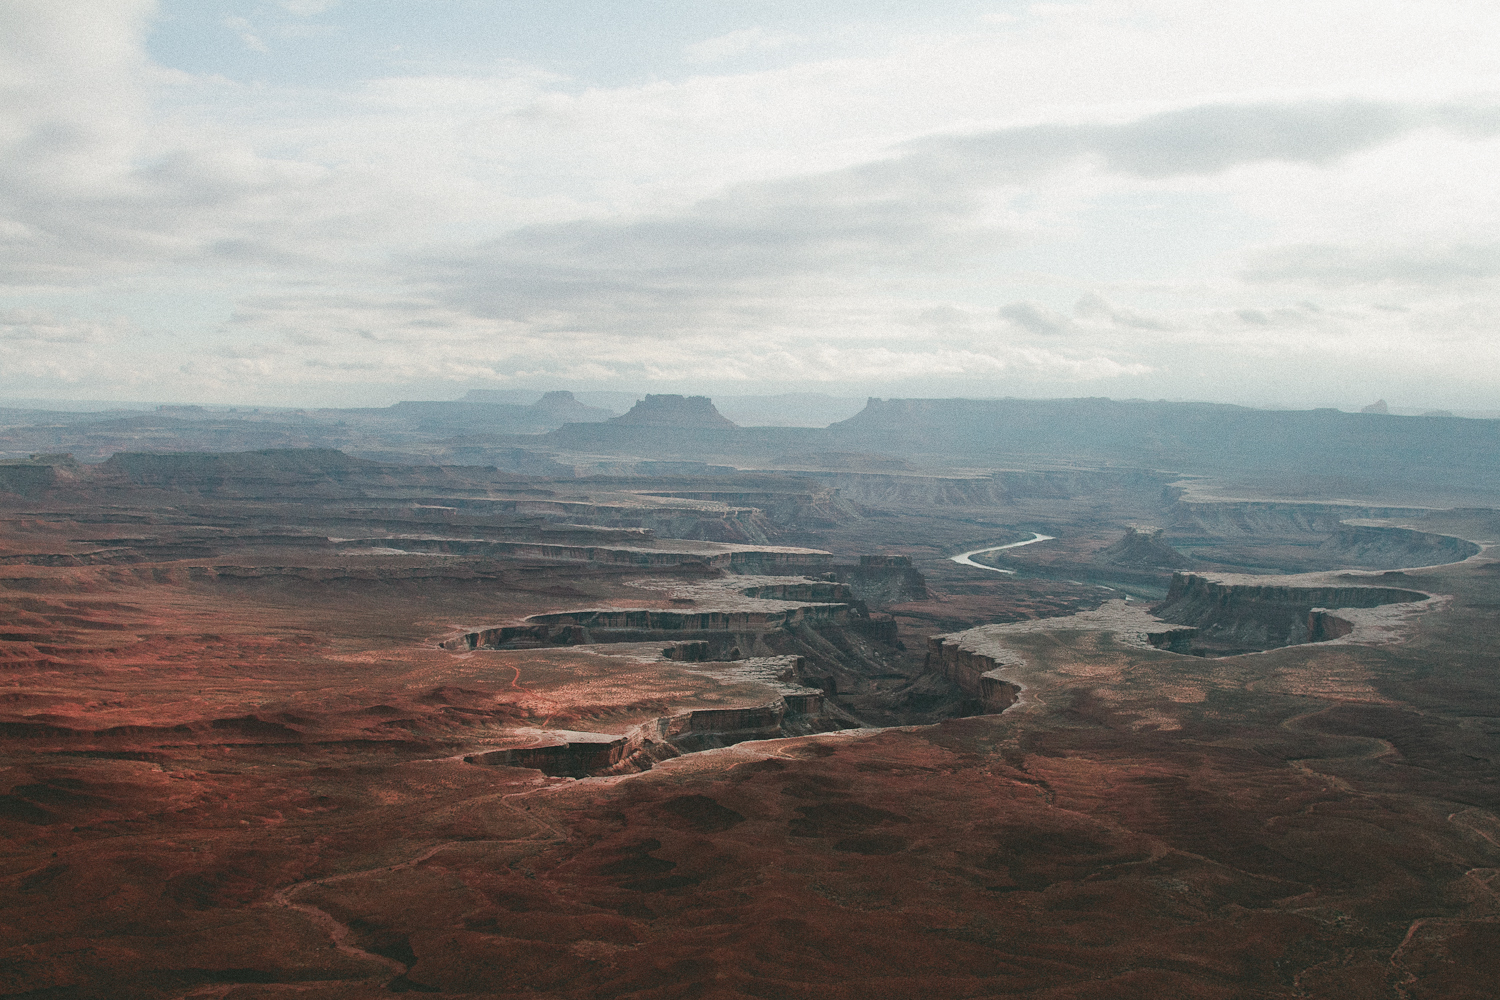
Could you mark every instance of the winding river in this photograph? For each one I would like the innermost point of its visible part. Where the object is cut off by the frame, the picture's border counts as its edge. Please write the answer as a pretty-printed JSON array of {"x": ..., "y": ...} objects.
[{"x": 966, "y": 558}]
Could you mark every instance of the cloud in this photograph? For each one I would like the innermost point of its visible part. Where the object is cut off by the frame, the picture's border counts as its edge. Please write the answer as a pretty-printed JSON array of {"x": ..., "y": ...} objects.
[
  {"x": 1095, "y": 307},
  {"x": 317, "y": 340},
  {"x": 71, "y": 93},
  {"x": 1035, "y": 319},
  {"x": 760, "y": 250},
  {"x": 37, "y": 326},
  {"x": 246, "y": 32},
  {"x": 912, "y": 209},
  {"x": 746, "y": 248},
  {"x": 46, "y": 346},
  {"x": 743, "y": 41},
  {"x": 1200, "y": 140},
  {"x": 1330, "y": 266},
  {"x": 1214, "y": 138}
]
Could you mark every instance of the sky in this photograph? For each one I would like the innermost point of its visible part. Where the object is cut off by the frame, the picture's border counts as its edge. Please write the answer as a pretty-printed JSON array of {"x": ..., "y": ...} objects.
[{"x": 315, "y": 202}]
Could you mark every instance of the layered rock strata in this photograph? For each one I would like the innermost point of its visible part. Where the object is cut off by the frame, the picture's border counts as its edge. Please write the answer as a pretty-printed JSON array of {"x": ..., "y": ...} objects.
[
  {"x": 976, "y": 673},
  {"x": 1237, "y": 616},
  {"x": 571, "y": 628},
  {"x": 797, "y": 710}
]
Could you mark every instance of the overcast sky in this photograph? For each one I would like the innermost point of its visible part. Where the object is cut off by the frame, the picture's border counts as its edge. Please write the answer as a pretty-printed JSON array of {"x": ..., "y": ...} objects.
[{"x": 323, "y": 202}]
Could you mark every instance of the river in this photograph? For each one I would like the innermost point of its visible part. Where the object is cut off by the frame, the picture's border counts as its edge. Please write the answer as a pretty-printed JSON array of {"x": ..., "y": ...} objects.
[{"x": 966, "y": 558}]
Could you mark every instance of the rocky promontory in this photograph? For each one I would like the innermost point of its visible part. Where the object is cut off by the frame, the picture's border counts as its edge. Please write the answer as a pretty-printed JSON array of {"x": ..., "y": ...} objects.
[{"x": 1143, "y": 548}]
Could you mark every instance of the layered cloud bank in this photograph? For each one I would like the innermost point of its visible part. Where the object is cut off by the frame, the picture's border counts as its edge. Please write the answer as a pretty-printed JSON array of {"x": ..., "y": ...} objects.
[{"x": 1292, "y": 205}]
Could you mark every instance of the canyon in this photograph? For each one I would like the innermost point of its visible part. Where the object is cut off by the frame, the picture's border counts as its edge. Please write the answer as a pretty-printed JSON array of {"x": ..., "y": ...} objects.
[{"x": 951, "y": 699}]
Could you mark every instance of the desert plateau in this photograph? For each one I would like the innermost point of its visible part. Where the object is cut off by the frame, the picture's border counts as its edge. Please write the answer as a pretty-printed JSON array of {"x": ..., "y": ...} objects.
[
  {"x": 657, "y": 706},
  {"x": 665, "y": 500}
]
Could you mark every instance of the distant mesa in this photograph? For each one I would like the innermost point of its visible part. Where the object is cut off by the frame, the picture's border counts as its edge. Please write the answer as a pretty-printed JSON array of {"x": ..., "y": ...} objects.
[
  {"x": 555, "y": 399},
  {"x": 1379, "y": 406},
  {"x": 60, "y": 459},
  {"x": 554, "y": 408},
  {"x": 675, "y": 411},
  {"x": 562, "y": 405},
  {"x": 1144, "y": 548}
]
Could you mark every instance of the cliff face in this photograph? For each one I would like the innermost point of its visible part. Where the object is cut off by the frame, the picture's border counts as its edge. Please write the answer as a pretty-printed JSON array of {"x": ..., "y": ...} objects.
[
  {"x": 573, "y": 628},
  {"x": 27, "y": 479},
  {"x": 998, "y": 489},
  {"x": 1240, "y": 618},
  {"x": 1261, "y": 520},
  {"x": 814, "y": 591},
  {"x": 812, "y": 509},
  {"x": 739, "y": 561},
  {"x": 976, "y": 674},
  {"x": 575, "y": 758},
  {"x": 579, "y": 755},
  {"x": 1301, "y": 537},
  {"x": 1393, "y": 548},
  {"x": 882, "y": 580}
]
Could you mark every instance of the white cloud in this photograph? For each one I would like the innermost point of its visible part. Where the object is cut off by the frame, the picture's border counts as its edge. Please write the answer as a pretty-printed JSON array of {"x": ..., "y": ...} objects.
[
  {"x": 71, "y": 94},
  {"x": 246, "y": 32},
  {"x": 737, "y": 43},
  {"x": 1123, "y": 195},
  {"x": 1344, "y": 266},
  {"x": 1036, "y": 319}
]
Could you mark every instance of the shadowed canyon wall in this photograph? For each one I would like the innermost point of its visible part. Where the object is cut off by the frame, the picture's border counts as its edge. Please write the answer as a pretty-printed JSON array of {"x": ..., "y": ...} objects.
[{"x": 1241, "y": 617}]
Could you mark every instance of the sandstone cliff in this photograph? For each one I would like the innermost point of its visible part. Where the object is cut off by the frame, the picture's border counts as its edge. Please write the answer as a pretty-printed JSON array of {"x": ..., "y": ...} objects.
[
  {"x": 976, "y": 673},
  {"x": 1234, "y": 618}
]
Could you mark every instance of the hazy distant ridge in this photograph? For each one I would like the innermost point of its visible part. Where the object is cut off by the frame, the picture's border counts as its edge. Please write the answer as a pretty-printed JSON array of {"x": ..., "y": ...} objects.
[{"x": 1188, "y": 437}]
